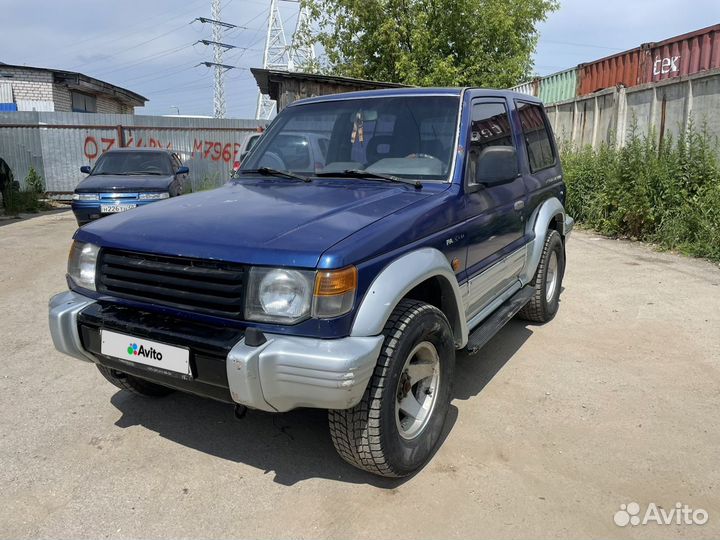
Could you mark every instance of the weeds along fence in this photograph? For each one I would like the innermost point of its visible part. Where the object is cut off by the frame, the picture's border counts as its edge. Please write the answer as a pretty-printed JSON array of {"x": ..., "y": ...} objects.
[
  {"x": 666, "y": 192},
  {"x": 56, "y": 145},
  {"x": 644, "y": 162}
]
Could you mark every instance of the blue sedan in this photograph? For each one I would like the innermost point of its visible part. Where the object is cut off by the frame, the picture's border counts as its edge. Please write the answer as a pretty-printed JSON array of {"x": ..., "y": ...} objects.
[{"x": 126, "y": 178}]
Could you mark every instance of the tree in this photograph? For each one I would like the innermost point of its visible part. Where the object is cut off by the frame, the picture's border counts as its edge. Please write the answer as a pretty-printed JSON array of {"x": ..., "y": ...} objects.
[{"x": 427, "y": 42}]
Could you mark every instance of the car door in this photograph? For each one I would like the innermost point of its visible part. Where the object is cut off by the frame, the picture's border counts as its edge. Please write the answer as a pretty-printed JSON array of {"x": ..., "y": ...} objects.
[
  {"x": 180, "y": 179},
  {"x": 495, "y": 232}
]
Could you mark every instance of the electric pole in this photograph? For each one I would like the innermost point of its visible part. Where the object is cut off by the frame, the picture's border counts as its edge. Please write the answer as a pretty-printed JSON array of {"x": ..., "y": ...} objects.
[{"x": 219, "y": 87}]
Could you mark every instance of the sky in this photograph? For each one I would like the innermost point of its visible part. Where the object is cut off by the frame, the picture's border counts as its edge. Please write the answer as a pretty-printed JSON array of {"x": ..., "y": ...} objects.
[{"x": 150, "y": 46}]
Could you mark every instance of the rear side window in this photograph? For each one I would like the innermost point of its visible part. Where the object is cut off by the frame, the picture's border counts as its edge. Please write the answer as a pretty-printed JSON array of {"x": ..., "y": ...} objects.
[
  {"x": 490, "y": 127},
  {"x": 537, "y": 136}
]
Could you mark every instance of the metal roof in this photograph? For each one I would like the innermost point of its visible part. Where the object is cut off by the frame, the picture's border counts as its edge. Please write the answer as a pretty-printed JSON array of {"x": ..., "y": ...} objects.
[
  {"x": 80, "y": 81},
  {"x": 265, "y": 77}
]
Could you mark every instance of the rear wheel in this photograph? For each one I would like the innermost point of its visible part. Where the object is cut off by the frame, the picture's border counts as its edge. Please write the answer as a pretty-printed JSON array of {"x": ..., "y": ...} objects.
[
  {"x": 134, "y": 384},
  {"x": 398, "y": 422},
  {"x": 547, "y": 282}
]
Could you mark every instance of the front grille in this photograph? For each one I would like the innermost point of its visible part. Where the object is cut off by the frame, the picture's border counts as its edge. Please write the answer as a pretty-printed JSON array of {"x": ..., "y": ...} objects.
[{"x": 203, "y": 286}]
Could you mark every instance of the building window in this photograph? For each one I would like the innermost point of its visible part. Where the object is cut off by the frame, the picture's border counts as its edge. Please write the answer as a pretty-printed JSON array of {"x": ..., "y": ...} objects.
[{"x": 83, "y": 102}]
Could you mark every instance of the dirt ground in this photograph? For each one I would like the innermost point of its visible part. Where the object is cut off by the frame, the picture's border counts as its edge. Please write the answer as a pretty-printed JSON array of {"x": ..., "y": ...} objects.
[{"x": 552, "y": 427}]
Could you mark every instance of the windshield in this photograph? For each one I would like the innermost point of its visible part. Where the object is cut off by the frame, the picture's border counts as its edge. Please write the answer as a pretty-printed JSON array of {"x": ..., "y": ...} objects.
[
  {"x": 408, "y": 137},
  {"x": 156, "y": 163}
]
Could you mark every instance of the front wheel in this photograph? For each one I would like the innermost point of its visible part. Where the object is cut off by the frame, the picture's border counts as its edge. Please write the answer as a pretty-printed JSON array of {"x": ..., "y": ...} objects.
[{"x": 399, "y": 420}]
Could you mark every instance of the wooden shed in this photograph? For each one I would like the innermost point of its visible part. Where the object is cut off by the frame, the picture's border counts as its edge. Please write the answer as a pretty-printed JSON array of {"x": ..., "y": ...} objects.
[{"x": 284, "y": 87}]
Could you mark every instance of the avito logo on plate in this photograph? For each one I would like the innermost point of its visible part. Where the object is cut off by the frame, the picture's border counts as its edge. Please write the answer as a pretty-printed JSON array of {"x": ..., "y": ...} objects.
[{"x": 134, "y": 350}]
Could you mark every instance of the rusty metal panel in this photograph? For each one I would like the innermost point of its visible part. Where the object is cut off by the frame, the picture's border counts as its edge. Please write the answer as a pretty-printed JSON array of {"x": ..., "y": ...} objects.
[
  {"x": 58, "y": 144},
  {"x": 683, "y": 55},
  {"x": 624, "y": 69},
  {"x": 530, "y": 88}
]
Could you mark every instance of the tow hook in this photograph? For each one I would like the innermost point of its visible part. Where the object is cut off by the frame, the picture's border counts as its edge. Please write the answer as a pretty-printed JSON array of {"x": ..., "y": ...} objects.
[{"x": 240, "y": 411}]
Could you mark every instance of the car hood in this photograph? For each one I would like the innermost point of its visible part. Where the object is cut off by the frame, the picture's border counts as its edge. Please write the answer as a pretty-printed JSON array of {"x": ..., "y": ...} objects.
[
  {"x": 121, "y": 182},
  {"x": 267, "y": 222}
]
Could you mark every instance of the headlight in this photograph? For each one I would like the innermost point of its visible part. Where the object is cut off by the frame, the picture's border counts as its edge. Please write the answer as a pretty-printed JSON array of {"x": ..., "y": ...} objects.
[
  {"x": 279, "y": 295},
  {"x": 153, "y": 196},
  {"x": 81, "y": 264},
  {"x": 85, "y": 197},
  {"x": 287, "y": 296}
]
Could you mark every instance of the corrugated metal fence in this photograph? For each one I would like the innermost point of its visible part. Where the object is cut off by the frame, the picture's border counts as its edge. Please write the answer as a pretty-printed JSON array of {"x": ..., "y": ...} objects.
[{"x": 58, "y": 144}]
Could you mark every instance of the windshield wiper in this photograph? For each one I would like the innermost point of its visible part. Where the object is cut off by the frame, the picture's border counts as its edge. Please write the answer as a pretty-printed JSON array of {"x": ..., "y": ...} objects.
[
  {"x": 361, "y": 173},
  {"x": 267, "y": 171}
]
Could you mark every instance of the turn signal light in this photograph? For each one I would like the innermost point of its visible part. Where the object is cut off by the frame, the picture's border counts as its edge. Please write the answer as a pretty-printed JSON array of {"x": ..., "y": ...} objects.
[{"x": 334, "y": 292}]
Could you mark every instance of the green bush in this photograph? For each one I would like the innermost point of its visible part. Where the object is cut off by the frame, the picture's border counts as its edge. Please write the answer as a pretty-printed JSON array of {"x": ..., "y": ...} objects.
[
  {"x": 18, "y": 200},
  {"x": 665, "y": 192},
  {"x": 34, "y": 182}
]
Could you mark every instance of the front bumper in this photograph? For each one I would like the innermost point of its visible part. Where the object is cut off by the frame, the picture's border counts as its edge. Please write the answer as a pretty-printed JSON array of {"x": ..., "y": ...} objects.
[
  {"x": 568, "y": 226},
  {"x": 87, "y": 211},
  {"x": 282, "y": 374}
]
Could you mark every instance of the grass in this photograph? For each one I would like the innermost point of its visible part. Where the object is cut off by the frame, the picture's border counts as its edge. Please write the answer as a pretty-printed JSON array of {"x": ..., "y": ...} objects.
[{"x": 664, "y": 192}]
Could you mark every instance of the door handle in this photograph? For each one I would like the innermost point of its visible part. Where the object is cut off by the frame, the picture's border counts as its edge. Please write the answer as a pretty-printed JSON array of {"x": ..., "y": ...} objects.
[{"x": 519, "y": 205}]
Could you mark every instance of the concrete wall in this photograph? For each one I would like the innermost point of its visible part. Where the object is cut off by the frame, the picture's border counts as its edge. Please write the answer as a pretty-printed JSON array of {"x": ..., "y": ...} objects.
[
  {"x": 58, "y": 144},
  {"x": 668, "y": 106}
]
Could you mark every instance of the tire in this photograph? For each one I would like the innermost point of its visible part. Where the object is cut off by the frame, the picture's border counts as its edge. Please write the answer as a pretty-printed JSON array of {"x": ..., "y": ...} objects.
[
  {"x": 547, "y": 282},
  {"x": 377, "y": 435},
  {"x": 134, "y": 384}
]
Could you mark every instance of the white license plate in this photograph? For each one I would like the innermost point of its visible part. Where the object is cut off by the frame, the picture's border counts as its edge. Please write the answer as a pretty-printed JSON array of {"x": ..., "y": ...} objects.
[
  {"x": 115, "y": 208},
  {"x": 143, "y": 351}
]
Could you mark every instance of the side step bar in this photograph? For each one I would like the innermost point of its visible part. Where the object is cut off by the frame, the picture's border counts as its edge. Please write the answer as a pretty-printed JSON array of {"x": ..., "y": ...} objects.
[{"x": 499, "y": 318}]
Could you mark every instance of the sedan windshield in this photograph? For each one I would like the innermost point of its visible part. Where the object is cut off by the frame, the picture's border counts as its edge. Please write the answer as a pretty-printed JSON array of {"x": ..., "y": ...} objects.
[
  {"x": 410, "y": 137},
  {"x": 155, "y": 163}
]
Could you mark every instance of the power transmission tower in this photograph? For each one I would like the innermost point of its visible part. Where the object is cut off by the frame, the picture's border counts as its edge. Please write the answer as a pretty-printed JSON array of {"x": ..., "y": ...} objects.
[
  {"x": 301, "y": 56},
  {"x": 275, "y": 56},
  {"x": 218, "y": 48},
  {"x": 219, "y": 86}
]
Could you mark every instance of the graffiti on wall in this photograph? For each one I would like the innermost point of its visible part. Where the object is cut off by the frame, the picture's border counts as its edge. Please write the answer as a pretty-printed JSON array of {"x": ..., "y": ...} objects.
[{"x": 202, "y": 149}]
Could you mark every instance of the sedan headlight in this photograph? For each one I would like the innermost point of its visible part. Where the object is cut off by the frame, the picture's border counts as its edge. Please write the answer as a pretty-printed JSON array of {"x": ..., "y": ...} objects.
[
  {"x": 81, "y": 264},
  {"x": 288, "y": 296},
  {"x": 85, "y": 197},
  {"x": 153, "y": 196}
]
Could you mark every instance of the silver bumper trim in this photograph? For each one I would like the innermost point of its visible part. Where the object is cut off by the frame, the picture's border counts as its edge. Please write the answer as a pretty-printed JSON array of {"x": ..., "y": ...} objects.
[
  {"x": 64, "y": 308},
  {"x": 288, "y": 372},
  {"x": 282, "y": 374}
]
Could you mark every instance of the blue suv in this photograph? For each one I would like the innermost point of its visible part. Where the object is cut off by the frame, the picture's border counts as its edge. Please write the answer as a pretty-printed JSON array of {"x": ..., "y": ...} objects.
[{"x": 345, "y": 282}]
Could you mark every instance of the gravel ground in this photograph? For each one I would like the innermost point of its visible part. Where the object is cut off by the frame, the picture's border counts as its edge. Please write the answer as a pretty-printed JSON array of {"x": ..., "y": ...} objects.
[{"x": 552, "y": 427}]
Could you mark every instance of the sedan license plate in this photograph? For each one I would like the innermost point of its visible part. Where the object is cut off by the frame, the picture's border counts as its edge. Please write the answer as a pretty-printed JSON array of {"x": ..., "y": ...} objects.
[
  {"x": 143, "y": 351},
  {"x": 115, "y": 208}
]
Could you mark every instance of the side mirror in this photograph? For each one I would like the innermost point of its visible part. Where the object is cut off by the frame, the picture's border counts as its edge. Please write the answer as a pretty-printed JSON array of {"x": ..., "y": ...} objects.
[
  {"x": 85, "y": 169},
  {"x": 496, "y": 165},
  {"x": 182, "y": 170}
]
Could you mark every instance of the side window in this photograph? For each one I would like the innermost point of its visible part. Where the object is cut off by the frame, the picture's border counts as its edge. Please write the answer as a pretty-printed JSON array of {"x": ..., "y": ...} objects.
[
  {"x": 537, "y": 136},
  {"x": 176, "y": 162},
  {"x": 490, "y": 126}
]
